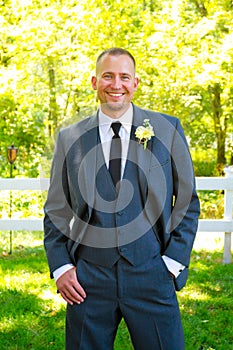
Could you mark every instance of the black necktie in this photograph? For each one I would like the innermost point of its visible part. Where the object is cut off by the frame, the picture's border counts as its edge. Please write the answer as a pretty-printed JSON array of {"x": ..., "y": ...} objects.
[{"x": 115, "y": 154}]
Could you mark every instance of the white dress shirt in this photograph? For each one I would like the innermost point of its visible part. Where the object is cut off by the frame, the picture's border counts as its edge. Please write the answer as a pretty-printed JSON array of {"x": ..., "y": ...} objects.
[{"x": 106, "y": 133}]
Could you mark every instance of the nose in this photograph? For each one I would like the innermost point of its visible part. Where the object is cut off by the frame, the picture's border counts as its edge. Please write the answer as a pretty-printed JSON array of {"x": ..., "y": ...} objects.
[{"x": 116, "y": 83}]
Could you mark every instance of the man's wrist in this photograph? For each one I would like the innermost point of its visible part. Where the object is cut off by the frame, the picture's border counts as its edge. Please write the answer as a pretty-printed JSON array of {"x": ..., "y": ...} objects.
[{"x": 61, "y": 270}]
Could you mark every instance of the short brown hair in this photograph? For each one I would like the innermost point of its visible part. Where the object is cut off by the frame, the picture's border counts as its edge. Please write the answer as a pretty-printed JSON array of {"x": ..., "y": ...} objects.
[{"x": 116, "y": 51}]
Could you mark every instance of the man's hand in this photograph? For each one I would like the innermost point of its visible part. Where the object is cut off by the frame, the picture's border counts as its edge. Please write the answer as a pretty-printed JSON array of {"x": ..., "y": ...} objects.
[{"x": 69, "y": 287}]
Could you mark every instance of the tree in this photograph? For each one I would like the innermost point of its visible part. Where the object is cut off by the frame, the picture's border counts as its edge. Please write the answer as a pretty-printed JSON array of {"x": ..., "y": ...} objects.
[{"x": 47, "y": 56}]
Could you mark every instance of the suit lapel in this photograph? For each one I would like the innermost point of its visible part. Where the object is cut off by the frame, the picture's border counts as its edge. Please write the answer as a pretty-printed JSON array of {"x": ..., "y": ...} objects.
[
  {"x": 136, "y": 155},
  {"x": 143, "y": 156},
  {"x": 90, "y": 145}
]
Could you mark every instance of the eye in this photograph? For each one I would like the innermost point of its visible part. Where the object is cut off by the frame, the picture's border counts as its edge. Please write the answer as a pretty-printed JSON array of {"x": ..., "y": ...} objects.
[
  {"x": 125, "y": 77},
  {"x": 107, "y": 76}
]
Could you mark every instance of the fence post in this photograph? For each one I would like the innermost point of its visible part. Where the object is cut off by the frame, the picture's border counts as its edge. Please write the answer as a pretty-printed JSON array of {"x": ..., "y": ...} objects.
[{"x": 228, "y": 215}]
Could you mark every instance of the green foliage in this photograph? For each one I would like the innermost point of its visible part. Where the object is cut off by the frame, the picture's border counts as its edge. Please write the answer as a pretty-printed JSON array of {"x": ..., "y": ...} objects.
[
  {"x": 184, "y": 52},
  {"x": 29, "y": 204},
  {"x": 204, "y": 161},
  {"x": 212, "y": 204},
  {"x": 205, "y": 168},
  {"x": 33, "y": 315},
  {"x": 24, "y": 204},
  {"x": 24, "y": 128}
]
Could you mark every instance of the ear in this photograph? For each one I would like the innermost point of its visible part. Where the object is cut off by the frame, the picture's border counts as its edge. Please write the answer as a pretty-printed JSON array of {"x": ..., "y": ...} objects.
[
  {"x": 136, "y": 81},
  {"x": 94, "y": 82}
]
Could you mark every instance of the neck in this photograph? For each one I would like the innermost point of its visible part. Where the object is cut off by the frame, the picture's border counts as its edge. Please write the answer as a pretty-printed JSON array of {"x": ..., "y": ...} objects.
[{"x": 112, "y": 113}]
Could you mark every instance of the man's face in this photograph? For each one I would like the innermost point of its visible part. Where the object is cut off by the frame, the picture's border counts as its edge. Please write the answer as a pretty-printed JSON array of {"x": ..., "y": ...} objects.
[{"x": 115, "y": 83}]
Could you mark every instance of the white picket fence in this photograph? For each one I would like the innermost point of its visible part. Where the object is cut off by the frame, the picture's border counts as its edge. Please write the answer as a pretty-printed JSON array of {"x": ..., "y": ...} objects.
[{"x": 224, "y": 225}]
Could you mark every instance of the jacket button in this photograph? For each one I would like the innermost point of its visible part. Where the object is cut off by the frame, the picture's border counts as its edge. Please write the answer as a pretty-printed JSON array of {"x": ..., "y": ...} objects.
[{"x": 122, "y": 250}]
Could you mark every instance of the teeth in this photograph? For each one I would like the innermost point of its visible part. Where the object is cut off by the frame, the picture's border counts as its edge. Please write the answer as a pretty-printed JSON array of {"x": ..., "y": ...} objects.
[{"x": 112, "y": 94}]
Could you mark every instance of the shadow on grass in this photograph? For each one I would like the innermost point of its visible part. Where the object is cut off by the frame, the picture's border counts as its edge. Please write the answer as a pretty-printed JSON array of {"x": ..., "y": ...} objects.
[
  {"x": 210, "y": 276},
  {"x": 207, "y": 303},
  {"x": 27, "y": 322},
  {"x": 31, "y": 259}
]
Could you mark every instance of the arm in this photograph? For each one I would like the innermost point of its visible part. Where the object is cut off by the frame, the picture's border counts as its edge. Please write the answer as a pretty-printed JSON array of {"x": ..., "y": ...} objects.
[
  {"x": 181, "y": 227},
  {"x": 184, "y": 218},
  {"x": 58, "y": 215}
]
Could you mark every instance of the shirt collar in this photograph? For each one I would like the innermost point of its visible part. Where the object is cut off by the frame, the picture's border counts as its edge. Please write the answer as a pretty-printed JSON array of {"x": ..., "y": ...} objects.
[{"x": 126, "y": 120}]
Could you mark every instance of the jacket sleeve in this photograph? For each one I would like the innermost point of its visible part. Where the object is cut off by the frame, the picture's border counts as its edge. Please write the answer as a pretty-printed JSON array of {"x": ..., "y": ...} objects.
[
  {"x": 182, "y": 226},
  {"x": 58, "y": 213}
]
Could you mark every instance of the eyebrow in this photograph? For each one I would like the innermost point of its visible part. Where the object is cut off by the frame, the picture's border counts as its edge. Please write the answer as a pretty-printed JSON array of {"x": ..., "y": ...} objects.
[{"x": 124, "y": 73}]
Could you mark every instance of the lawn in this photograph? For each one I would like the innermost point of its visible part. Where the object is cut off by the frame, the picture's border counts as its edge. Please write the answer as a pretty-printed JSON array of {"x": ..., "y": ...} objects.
[{"x": 32, "y": 314}]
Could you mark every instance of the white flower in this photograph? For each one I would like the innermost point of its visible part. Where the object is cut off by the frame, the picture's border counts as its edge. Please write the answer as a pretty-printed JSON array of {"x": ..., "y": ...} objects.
[{"x": 144, "y": 132}]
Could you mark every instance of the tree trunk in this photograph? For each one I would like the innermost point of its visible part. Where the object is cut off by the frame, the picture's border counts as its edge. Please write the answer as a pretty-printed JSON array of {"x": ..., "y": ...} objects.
[
  {"x": 220, "y": 126},
  {"x": 53, "y": 108},
  {"x": 200, "y": 5}
]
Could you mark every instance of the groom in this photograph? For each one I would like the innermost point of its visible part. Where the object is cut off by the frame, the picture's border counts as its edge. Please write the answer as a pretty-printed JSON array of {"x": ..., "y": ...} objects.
[{"x": 121, "y": 217}]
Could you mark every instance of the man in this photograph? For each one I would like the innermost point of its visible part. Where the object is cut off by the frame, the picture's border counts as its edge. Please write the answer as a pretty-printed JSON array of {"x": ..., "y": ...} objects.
[{"x": 119, "y": 227}]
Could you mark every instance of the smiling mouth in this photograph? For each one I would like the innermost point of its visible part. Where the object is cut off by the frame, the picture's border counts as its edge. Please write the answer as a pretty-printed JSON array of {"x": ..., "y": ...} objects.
[{"x": 115, "y": 94}]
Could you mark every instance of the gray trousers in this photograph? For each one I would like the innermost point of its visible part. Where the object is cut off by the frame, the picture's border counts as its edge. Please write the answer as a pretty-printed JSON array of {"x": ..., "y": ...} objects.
[{"x": 143, "y": 295}]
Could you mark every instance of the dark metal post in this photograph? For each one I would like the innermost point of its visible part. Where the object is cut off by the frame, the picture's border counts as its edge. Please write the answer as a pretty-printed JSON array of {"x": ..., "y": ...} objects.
[{"x": 11, "y": 155}]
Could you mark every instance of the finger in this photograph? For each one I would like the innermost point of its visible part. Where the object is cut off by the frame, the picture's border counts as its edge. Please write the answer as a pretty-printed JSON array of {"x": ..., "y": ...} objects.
[
  {"x": 67, "y": 299},
  {"x": 71, "y": 297},
  {"x": 74, "y": 282},
  {"x": 74, "y": 295},
  {"x": 79, "y": 289},
  {"x": 70, "y": 288}
]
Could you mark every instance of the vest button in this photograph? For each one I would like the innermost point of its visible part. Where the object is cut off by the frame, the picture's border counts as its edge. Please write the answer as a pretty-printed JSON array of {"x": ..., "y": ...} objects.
[{"x": 122, "y": 250}]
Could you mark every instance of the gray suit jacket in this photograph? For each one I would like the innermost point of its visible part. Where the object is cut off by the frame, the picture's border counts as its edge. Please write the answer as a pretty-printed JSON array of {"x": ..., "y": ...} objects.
[{"x": 171, "y": 202}]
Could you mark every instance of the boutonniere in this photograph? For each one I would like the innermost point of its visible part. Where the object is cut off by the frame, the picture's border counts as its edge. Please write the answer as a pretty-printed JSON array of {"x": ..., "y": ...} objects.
[{"x": 144, "y": 132}]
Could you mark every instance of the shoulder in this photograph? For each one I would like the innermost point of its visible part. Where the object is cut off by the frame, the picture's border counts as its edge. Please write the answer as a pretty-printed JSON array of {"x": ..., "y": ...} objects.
[
  {"x": 79, "y": 126},
  {"x": 166, "y": 127},
  {"x": 155, "y": 117},
  {"x": 76, "y": 132},
  {"x": 78, "y": 129}
]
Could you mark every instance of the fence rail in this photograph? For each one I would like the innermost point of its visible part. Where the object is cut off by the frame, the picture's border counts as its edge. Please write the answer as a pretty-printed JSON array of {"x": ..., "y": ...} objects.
[{"x": 203, "y": 183}]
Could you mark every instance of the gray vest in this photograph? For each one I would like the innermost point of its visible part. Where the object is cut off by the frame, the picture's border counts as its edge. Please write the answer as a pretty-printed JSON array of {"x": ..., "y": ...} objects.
[{"x": 120, "y": 229}]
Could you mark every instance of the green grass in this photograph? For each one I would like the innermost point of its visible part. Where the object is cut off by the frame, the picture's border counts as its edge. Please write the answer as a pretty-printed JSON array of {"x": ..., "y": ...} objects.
[{"x": 33, "y": 316}]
